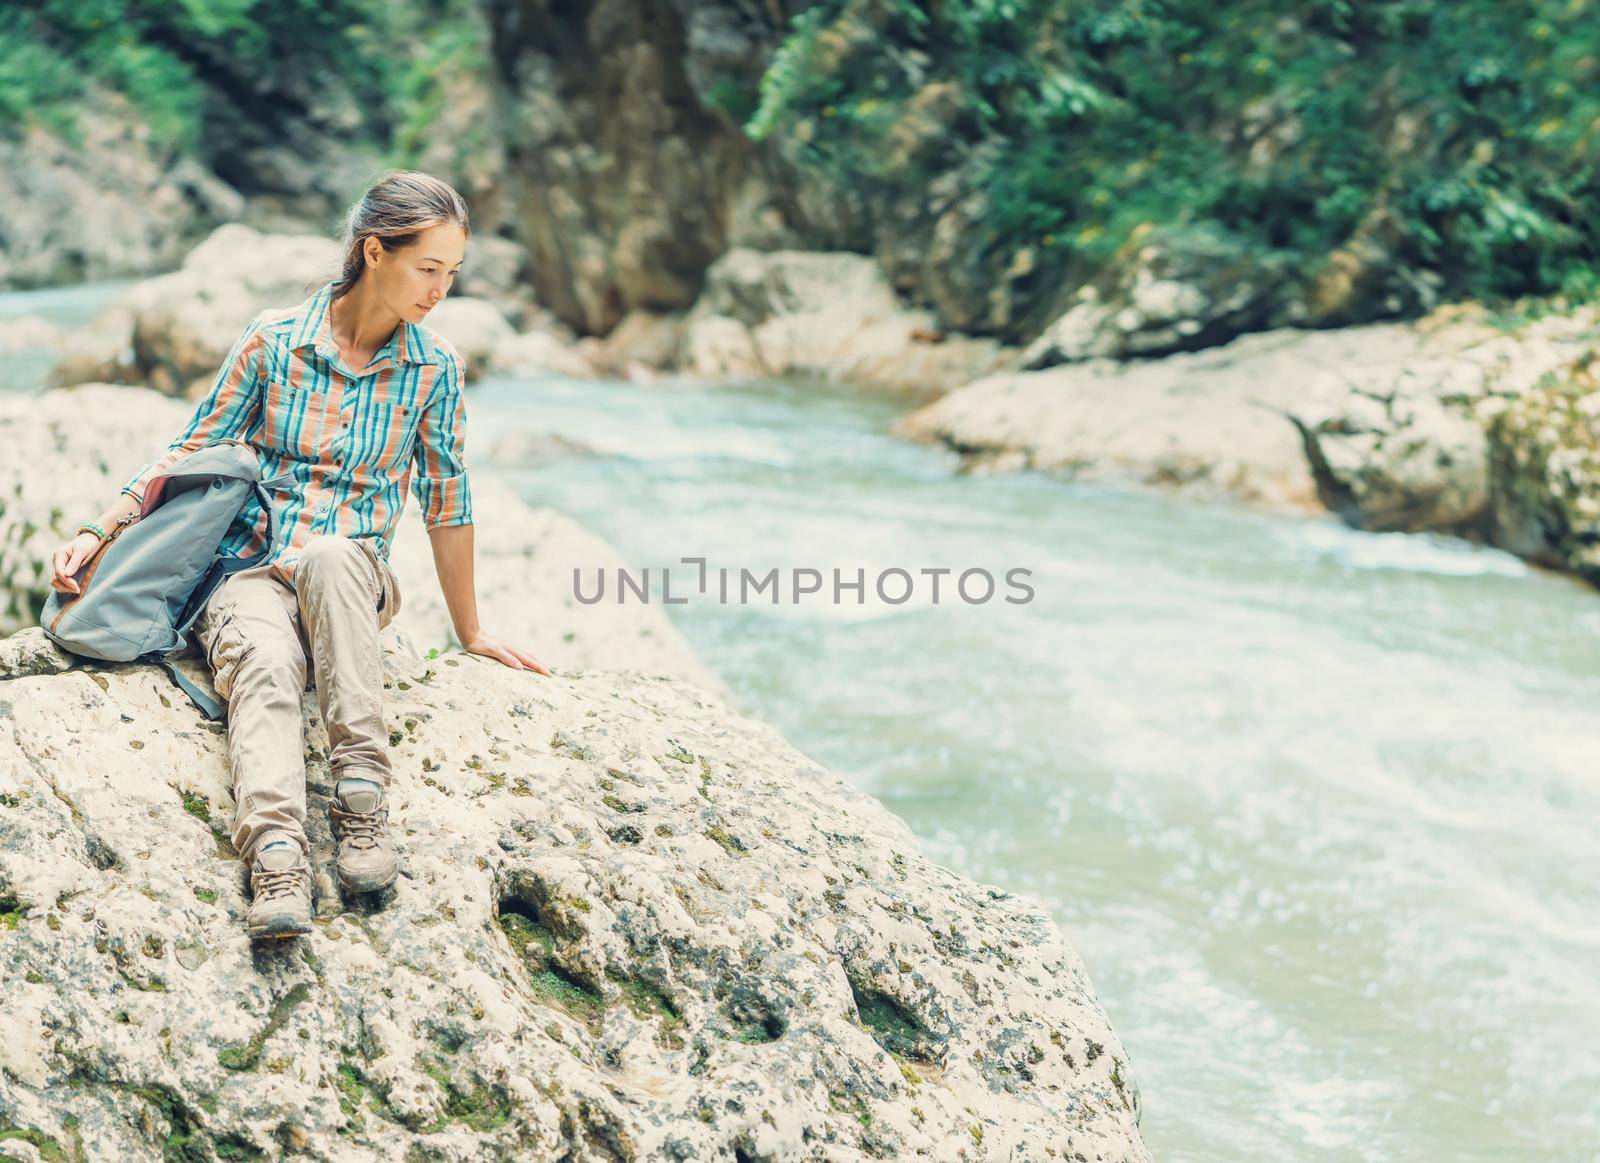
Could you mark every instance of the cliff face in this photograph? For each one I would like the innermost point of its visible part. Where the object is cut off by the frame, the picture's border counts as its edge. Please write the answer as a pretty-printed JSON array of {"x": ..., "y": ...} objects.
[
  {"x": 630, "y": 925},
  {"x": 625, "y": 182}
]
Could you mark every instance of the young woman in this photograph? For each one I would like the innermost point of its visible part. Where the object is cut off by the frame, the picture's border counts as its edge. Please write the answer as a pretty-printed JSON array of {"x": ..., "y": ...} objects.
[{"x": 353, "y": 396}]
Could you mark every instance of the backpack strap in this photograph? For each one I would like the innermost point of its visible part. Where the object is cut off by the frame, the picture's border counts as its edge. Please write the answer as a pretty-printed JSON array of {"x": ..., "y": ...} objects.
[
  {"x": 209, "y": 707},
  {"x": 263, "y": 491}
]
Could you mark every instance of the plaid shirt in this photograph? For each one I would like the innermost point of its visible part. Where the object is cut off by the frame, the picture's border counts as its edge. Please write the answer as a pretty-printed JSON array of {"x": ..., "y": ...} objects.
[{"x": 351, "y": 442}]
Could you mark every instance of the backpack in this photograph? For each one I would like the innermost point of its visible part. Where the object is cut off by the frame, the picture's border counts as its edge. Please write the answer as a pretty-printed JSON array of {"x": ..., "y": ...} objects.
[{"x": 148, "y": 581}]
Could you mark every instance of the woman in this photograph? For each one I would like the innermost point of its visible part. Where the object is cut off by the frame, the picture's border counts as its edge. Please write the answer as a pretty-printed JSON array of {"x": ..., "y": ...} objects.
[{"x": 350, "y": 394}]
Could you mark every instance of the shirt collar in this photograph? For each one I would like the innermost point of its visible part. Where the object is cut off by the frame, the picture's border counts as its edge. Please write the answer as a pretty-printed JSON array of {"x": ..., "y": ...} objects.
[{"x": 313, "y": 327}]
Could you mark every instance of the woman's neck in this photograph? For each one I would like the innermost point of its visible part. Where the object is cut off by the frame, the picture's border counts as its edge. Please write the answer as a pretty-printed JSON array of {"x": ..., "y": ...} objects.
[{"x": 360, "y": 323}]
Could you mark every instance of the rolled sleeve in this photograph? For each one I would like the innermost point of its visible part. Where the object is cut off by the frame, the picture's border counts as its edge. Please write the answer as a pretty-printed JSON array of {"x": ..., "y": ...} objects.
[
  {"x": 440, "y": 480},
  {"x": 227, "y": 410}
]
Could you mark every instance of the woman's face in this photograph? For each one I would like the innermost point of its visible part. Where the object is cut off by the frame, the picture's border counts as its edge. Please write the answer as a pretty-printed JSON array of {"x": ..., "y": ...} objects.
[{"x": 415, "y": 279}]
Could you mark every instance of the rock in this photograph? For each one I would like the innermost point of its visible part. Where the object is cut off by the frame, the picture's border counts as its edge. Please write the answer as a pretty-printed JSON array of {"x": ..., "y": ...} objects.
[
  {"x": 1400, "y": 443},
  {"x": 109, "y": 204},
  {"x": 29, "y": 653},
  {"x": 103, "y": 352},
  {"x": 496, "y": 269},
  {"x": 1397, "y": 447},
  {"x": 1545, "y": 452},
  {"x": 1164, "y": 293},
  {"x": 825, "y": 314},
  {"x": 522, "y": 448},
  {"x": 628, "y": 177},
  {"x": 630, "y": 924},
  {"x": 97, "y": 436},
  {"x": 186, "y": 322},
  {"x": 475, "y": 327},
  {"x": 1209, "y": 422},
  {"x": 646, "y": 339},
  {"x": 1391, "y": 426},
  {"x": 541, "y": 351}
]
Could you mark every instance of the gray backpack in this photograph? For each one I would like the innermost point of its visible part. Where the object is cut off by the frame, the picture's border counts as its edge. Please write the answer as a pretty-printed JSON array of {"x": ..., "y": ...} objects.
[{"x": 148, "y": 581}]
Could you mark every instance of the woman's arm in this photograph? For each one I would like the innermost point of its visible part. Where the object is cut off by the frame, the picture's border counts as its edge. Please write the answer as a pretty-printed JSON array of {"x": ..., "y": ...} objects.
[{"x": 124, "y": 506}]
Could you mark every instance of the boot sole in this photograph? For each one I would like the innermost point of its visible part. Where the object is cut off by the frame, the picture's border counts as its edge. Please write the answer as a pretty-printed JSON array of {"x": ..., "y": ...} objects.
[
  {"x": 361, "y": 885},
  {"x": 278, "y": 934}
]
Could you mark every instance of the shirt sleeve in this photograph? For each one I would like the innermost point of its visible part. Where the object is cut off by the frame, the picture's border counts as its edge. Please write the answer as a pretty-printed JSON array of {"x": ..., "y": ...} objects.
[
  {"x": 440, "y": 482},
  {"x": 227, "y": 411}
]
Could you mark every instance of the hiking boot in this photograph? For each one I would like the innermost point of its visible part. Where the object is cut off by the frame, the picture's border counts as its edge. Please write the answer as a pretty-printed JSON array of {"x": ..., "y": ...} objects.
[
  {"x": 280, "y": 882},
  {"x": 360, "y": 820}
]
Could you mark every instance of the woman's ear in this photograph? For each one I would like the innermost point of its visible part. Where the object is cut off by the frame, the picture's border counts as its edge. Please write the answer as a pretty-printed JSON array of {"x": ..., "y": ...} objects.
[{"x": 371, "y": 248}]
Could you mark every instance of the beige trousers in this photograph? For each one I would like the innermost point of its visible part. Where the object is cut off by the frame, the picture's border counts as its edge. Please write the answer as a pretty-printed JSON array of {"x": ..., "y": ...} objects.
[{"x": 262, "y": 638}]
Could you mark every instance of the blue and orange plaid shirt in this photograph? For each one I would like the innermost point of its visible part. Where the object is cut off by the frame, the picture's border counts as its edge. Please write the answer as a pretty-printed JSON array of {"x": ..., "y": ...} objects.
[{"x": 352, "y": 441}]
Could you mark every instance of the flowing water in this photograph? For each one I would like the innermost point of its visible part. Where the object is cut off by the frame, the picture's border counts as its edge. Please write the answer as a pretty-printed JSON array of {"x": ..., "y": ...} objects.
[
  {"x": 1317, "y": 807},
  {"x": 26, "y": 368}
]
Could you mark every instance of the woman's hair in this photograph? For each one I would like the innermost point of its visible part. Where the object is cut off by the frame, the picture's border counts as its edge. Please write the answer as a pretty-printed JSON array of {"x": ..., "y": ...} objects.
[{"x": 394, "y": 210}]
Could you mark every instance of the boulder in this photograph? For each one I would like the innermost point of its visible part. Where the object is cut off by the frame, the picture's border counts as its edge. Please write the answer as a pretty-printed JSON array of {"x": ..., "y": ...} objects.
[
  {"x": 1161, "y": 293},
  {"x": 630, "y": 924},
  {"x": 497, "y": 269},
  {"x": 102, "y": 352},
  {"x": 475, "y": 328},
  {"x": 107, "y": 204},
  {"x": 1544, "y": 449},
  {"x": 1210, "y": 422},
  {"x": 186, "y": 322},
  {"x": 1384, "y": 424},
  {"x": 829, "y": 315}
]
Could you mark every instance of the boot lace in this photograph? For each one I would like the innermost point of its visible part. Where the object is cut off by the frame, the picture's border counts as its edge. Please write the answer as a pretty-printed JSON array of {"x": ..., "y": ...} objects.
[
  {"x": 361, "y": 829},
  {"x": 276, "y": 882}
]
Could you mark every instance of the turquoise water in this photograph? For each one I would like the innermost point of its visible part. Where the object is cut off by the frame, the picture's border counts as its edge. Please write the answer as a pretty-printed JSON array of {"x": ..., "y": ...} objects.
[
  {"x": 1317, "y": 807},
  {"x": 28, "y": 369}
]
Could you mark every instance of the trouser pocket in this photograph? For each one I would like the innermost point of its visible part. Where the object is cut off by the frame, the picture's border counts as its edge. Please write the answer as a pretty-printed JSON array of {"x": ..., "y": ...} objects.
[
  {"x": 388, "y": 585},
  {"x": 219, "y": 635}
]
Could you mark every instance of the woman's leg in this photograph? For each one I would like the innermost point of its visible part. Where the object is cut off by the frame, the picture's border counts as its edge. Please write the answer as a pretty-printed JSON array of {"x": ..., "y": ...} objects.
[
  {"x": 339, "y": 588},
  {"x": 345, "y": 593},
  {"x": 258, "y": 666}
]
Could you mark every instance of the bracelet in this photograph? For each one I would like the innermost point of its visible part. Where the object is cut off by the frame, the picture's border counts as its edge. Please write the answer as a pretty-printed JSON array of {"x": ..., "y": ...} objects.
[{"x": 91, "y": 527}]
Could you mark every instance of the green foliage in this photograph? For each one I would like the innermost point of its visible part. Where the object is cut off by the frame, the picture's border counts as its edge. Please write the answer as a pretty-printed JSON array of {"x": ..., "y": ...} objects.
[
  {"x": 446, "y": 52},
  {"x": 166, "y": 57},
  {"x": 1470, "y": 130}
]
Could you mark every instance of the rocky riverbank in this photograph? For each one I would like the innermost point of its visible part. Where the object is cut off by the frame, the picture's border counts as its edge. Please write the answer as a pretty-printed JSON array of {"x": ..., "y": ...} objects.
[{"x": 1458, "y": 422}]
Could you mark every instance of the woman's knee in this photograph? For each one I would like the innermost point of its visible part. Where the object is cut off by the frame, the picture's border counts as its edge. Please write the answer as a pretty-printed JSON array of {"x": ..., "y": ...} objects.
[
  {"x": 328, "y": 549},
  {"x": 240, "y": 660}
]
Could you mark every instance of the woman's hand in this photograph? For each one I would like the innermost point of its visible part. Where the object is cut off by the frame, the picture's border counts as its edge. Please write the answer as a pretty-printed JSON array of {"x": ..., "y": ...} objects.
[
  {"x": 69, "y": 559},
  {"x": 515, "y": 658}
]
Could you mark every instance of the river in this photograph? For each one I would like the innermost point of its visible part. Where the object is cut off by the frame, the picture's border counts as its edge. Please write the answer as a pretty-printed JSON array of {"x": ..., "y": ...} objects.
[{"x": 1317, "y": 807}]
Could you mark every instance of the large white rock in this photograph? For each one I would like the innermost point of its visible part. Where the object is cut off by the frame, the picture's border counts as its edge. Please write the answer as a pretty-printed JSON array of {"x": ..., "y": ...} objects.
[
  {"x": 630, "y": 925},
  {"x": 474, "y": 327},
  {"x": 186, "y": 322},
  {"x": 1382, "y": 423},
  {"x": 173, "y": 332},
  {"x": 824, "y": 314}
]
